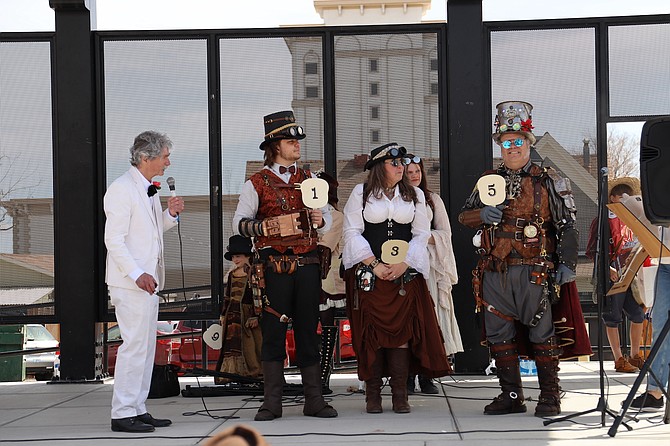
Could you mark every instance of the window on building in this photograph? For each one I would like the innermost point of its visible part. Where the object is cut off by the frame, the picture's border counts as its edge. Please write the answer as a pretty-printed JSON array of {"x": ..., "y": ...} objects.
[
  {"x": 374, "y": 88},
  {"x": 311, "y": 92},
  {"x": 374, "y": 136},
  {"x": 434, "y": 88},
  {"x": 434, "y": 65},
  {"x": 374, "y": 65},
  {"x": 374, "y": 112},
  {"x": 311, "y": 68}
]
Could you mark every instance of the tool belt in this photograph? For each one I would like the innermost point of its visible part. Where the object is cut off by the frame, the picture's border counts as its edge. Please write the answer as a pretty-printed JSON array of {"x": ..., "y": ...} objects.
[{"x": 288, "y": 264}]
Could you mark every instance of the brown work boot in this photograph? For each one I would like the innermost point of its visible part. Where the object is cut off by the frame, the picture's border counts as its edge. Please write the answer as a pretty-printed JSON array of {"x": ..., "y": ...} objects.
[
  {"x": 397, "y": 360},
  {"x": 511, "y": 399},
  {"x": 273, "y": 388},
  {"x": 636, "y": 361},
  {"x": 546, "y": 360},
  {"x": 622, "y": 365}
]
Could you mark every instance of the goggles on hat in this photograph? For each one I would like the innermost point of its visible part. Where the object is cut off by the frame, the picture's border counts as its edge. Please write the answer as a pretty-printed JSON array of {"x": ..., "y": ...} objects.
[
  {"x": 415, "y": 159},
  {"x": 395, "y": 162},
  {"x": 518, "y": 142},
  {"x": 290, "y": 130},
  {"x": 391, "y": 151}
]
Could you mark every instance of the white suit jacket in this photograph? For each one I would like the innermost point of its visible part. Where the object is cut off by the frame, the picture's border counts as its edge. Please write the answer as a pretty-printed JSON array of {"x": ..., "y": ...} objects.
[{"x": 134, "y": 231}]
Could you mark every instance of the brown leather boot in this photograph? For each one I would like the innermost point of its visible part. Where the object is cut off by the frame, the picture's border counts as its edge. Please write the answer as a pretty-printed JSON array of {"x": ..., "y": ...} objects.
[
  {"x": 397, "y": 360},
  {"x": 373, "y": 386},
  {"x": 273, "y": 388},
  {"x": 315, "y": 405},
  {"x": 546, "y": 360},
  {"x": 507, "y": 368}
]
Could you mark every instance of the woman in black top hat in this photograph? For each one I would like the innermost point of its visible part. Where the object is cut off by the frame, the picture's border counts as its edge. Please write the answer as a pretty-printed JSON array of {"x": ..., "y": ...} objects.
[{"x": 393, "y": 323}]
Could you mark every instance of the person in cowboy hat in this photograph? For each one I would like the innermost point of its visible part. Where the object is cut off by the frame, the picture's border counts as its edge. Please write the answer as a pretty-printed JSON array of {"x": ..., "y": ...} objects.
[
  {"x": 393, "y": 325},
  {"x": 527, "y": 242},
  {"x": 622, "y": 242},
  {"x": 240, "y": 332},
  {"x": 272, "y": 212}
]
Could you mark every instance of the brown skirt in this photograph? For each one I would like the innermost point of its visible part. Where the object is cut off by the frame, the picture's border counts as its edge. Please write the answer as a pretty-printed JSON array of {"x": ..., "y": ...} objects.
[{"x": 382, "y": 318}]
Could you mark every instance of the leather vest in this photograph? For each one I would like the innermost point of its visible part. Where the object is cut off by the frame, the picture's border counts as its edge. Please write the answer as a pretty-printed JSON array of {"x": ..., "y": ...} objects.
[
  {"x": 278, "y": 198},
  {"x": 522, "y": 210}
]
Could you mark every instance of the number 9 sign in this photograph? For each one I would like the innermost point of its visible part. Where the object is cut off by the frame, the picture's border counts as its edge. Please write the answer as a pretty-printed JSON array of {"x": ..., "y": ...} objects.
[
  {"x": 492, "y": 189},
  {"x": 394, "y": 251},
  {"x": 314, "y": 192}
]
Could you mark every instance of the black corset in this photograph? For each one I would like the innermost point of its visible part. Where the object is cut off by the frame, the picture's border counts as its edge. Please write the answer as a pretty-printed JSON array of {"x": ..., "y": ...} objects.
[{"x": 377, "y": 233}]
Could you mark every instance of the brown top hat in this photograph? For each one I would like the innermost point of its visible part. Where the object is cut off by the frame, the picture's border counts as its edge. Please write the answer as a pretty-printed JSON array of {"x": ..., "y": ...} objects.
[
  {"x": 385, "y": 152},
  {"x": 281, "y": 125},
  {"x": 633, "y": 182},
  {"x": 514, "y": 117},
  {"x": 237, "y": 245}
]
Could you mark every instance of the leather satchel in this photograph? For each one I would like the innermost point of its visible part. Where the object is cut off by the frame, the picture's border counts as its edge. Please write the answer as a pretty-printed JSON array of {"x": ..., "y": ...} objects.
[{"x": 164, "y": 381}]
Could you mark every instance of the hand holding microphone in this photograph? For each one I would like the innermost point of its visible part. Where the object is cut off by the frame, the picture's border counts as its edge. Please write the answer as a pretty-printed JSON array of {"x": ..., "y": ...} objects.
[{"x": 175, "y": 204}]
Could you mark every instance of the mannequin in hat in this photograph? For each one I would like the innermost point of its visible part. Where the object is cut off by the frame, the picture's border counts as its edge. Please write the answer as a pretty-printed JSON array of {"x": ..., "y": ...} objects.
[
  {"x": 393, "y": 325},
  {"x": 240, "y": 333},
  {"x": 332, "y": 286},
  {"x": 528, "y": 244},
  {"x": 443, "y": 274},
  {"x": 285, "y": 236},
  {"x": 622, "y": 242}
]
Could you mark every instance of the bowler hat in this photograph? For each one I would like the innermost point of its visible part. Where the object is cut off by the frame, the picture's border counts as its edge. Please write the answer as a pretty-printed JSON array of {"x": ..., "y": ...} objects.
[
  {"x": 237, "y": 245},
  {"x": 281, "y": 125},
  {"x": 385, "y": 152},
  {"x": 514, "y": 117}
]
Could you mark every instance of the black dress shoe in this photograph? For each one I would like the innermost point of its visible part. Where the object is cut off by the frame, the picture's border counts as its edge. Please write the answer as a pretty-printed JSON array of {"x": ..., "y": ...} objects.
[
  {"x": 130, "y": 424},
  {"x": 146, "y": 418}
]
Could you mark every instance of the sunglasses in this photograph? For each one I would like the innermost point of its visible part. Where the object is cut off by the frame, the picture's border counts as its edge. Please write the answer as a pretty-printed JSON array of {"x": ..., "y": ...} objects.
[
  {"x": 517, "y": 142},
  {"x": 395, "y": 162}
]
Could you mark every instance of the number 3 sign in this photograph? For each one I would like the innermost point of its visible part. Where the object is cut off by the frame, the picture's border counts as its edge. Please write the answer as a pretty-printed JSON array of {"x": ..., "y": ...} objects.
[
  {"x": 492, "y": 189},
  {"x": 394, "y": 251},
  {"x": 314, "y": 192}
]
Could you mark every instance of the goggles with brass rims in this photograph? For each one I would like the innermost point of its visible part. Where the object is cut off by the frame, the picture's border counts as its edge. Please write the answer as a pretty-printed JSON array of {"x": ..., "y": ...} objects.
[
  {"x": 518, "y": 142},
  {"x": 290, "y": 131},
  {"x": 395, "y": 162},
  {"x": 415, "y": 159}
]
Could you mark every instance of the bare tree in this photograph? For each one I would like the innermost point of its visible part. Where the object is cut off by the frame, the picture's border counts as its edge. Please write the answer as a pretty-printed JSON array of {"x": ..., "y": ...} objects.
[
  {"x": 13, "y": 180},
  {"x": 622, "y": 154}
]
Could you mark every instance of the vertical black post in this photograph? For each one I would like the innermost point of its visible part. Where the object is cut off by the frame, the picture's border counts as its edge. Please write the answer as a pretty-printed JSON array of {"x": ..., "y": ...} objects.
[
  {"x": 468, "y": 154},
  {"x": 75, "y": 191}
]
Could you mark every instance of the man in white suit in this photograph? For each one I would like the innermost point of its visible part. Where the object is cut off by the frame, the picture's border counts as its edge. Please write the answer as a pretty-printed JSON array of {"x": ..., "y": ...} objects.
[{"x": 135, "y": 272}]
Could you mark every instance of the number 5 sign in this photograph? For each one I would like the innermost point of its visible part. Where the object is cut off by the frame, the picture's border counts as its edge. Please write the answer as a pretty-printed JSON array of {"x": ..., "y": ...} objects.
[
  {"x": 492, "y": 189},
  {"x": 314, "y": 192}
]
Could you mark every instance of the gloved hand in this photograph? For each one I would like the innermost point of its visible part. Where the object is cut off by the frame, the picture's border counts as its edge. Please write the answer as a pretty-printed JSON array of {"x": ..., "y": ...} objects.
[
  {"x": 490, "y": 215},
  {"x": 564, "y": 275}
]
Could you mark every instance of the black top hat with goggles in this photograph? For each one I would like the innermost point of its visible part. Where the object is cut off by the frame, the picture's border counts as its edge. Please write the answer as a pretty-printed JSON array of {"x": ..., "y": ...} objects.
[
  {"x": 387, "y": 151},
  {"x": 281, "y": 125}
]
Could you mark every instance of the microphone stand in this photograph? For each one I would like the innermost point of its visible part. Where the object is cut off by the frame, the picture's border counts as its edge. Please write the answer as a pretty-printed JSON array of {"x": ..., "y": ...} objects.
[{"x": 601, "y": 266}]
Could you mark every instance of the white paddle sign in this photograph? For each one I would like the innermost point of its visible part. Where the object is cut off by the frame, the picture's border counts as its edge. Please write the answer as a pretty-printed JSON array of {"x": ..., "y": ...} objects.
[
  {"x": 314, "y": 192},
  {"x": 394, "y": 251},
  {"x": 492, "y": 189}
]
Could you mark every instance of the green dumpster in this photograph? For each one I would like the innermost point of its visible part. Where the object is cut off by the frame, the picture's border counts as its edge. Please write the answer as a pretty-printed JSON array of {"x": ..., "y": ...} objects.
[{"x": 11, "y": 367}]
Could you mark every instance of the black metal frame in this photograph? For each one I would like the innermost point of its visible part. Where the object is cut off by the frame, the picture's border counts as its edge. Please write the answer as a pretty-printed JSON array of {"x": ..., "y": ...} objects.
[{"x": 467, "y": 99}]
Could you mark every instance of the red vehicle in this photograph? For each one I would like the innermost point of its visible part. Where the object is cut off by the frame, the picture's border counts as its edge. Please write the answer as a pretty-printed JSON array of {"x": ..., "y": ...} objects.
[
  {"x": 190, "y": 350},
  {"x": 165, "y": 348}
]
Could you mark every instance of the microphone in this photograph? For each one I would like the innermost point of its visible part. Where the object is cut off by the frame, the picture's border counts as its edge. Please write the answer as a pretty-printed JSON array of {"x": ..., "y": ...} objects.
[
  {"x": 170, "y": 182},
  {"x": 603, "y": 171}
]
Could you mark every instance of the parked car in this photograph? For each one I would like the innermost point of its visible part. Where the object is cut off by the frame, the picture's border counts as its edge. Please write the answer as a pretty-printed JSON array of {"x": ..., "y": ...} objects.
[
  {"x": 190, "y": 350},
  {"x": 41, "y": 365},
  {"x": 166, "y": 348}
]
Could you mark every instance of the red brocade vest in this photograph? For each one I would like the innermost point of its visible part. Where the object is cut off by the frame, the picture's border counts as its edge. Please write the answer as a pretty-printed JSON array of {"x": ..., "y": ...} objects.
[
  {"x": 523, "y": 207},
  {"x": 277, "y": 198}
]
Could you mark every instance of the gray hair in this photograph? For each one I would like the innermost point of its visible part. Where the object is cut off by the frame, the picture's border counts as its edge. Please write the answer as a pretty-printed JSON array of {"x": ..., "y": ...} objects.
[{"x": 150, "y": 145}]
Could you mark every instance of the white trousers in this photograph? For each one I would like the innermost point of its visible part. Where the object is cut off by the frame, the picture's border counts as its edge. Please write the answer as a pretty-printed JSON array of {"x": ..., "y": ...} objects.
[{"x": 137, "y": 316}]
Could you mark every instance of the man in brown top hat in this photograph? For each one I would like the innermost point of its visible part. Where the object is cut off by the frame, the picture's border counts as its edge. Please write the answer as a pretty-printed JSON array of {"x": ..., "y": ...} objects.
[
  {"x": 286, "y": 270},
  {"x": 527, "y": 244}
]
